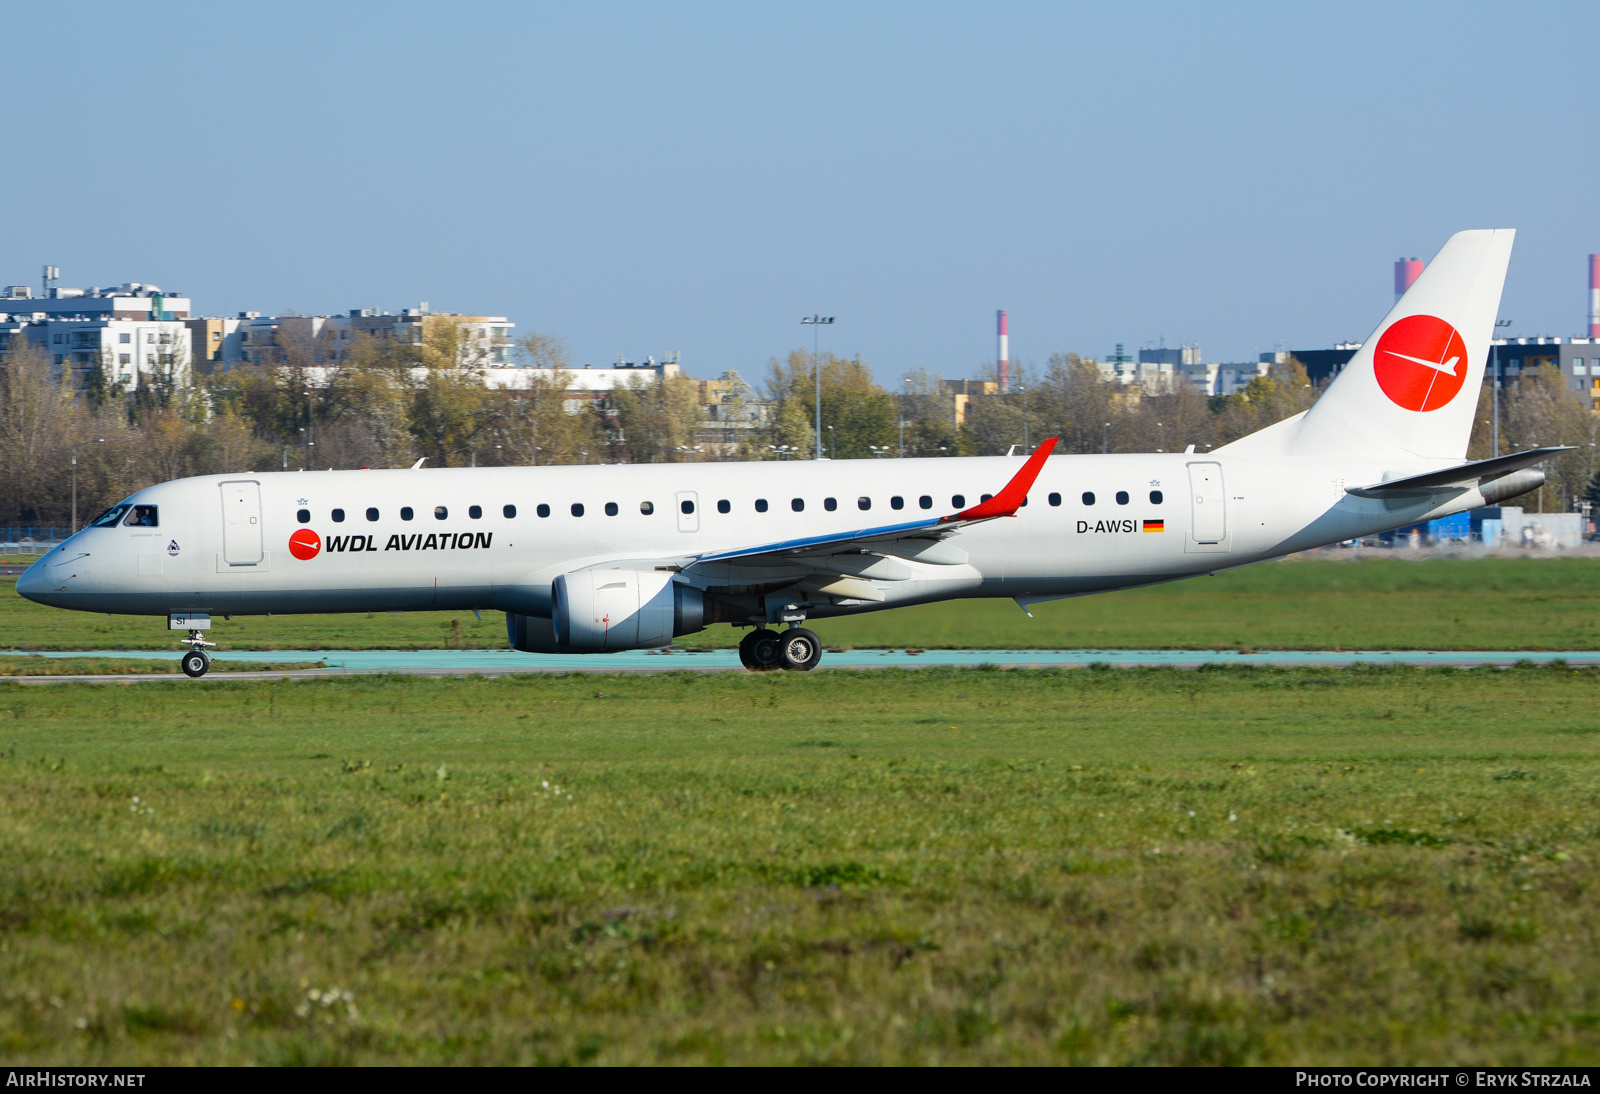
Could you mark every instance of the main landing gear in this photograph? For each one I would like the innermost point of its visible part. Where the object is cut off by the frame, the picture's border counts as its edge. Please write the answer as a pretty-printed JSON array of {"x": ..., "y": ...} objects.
[
  {"x": 796, "y": 648},
  {"x": 196, "y": 661}
]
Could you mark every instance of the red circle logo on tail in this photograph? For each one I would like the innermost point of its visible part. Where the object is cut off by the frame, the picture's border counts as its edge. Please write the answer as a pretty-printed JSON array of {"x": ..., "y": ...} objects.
[
  {"x": 1420, "y": 362},
  {"x": 305, "y": 544}
]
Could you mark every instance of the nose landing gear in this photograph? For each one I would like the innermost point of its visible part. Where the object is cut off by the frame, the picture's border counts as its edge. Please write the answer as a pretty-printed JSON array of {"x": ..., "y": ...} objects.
[
  {"x": 196, "y": 662},
  {"x": 796, "y": 649}
]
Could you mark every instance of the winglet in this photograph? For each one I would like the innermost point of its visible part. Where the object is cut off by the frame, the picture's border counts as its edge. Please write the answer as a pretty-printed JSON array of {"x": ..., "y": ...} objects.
[{"x": 1010, "y": 499}]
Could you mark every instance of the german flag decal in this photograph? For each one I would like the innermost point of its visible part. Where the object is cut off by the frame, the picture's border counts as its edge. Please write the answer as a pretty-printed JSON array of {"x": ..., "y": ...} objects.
[{"x": 1155, "y": 526}]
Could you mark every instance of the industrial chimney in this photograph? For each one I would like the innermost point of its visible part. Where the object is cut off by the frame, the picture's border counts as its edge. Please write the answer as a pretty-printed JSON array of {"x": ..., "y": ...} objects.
[
  {"x": 1406, "y": 270},
  {"x": 1003, "y": 357},
  {"x": 1594, "y": 296}
]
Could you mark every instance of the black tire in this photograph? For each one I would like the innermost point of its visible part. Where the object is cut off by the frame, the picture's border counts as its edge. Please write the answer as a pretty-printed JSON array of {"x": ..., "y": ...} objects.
[
  {"x": 758, "y": 650},
  {"x": 799, "y": 650},
  {"x": 195, "y": 663}
]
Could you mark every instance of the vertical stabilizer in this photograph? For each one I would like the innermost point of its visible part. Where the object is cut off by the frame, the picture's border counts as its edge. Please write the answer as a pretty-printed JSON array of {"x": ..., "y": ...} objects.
[{"x": 1413, "y": 386}]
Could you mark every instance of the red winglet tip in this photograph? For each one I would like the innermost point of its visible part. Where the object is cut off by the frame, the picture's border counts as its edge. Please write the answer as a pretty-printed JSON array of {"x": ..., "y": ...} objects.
[{"x": 1010, "y": 498}]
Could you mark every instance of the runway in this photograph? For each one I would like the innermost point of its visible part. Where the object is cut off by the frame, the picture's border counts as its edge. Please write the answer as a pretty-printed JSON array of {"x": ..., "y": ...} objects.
[{"x": 503, "y": 662}]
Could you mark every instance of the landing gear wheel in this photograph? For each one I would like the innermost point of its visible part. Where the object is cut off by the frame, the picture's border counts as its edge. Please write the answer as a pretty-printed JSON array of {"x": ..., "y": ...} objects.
[
  {"x": 758, "y": 650},
  {"x": 195, "y": 663},
  {"x": 799, "y": 649}
]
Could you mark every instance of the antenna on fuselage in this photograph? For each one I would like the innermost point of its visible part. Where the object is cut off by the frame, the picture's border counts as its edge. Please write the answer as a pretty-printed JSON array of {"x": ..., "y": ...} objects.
[{"x": 419, "y": 463}]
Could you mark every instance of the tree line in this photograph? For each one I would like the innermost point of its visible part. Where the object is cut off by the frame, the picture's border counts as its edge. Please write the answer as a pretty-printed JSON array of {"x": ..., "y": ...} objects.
[{"x": 382, "y": 403}]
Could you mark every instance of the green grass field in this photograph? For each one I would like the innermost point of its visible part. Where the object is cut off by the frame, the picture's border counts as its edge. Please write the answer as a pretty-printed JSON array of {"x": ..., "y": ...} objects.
[
  {"x": 934, "y": 866},
  {"x": 1499, "y": 604}
]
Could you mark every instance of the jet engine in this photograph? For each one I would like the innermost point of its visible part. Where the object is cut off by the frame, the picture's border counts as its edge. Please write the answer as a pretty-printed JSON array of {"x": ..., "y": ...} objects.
[
  {"x": 603, "y": 611},
  {"x": 1509, "y": 486}
]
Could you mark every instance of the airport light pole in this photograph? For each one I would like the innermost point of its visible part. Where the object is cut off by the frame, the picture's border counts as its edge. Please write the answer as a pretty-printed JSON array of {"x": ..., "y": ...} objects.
[
  {"x": 1105, "y": 432},
  {"x": 97, "y": 440},
  {"x": 311, "y": 440},
  {"x": 833, "y": 446},
  {"x": 1024, "y": 389},
  {"x": 481, "y": 451},
  {"x": 903, "y": 385},
  {"x": 815, "y": 322},
  {"x": 1494, "y": 363},
  {"x": 1161, "y": 438}
]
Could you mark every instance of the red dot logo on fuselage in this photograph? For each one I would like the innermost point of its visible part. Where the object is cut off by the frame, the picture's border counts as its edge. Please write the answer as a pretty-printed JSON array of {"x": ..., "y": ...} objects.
[
  {"x": 1420, "y": 362},
  {"x": 305, "y": 544}
]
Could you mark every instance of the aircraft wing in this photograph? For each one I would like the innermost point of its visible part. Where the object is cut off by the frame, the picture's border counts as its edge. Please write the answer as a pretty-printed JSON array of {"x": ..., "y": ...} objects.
[
  {"x": 1004, "y": 504},
  {"x": 1464, "y": 475}
]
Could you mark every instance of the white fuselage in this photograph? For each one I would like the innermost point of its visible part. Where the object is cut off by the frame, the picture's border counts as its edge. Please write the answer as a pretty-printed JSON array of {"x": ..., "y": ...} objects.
[{"x": 1215, "y": 512}]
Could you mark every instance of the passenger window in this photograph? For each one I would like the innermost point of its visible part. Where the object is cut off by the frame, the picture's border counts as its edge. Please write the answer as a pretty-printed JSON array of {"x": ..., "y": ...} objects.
[
  {"x": 510, "y": 511},
  {"x": 897, "y": 502},
  {"x": 797, "y": 504},
  {"x": 686, "y": 506},
  {"x": 724, "y": 507},
  {"x": 611, "y": 508},
  {"x": 338, "y": 516},
  {"x": 542, "y": 510},
  {"x": 440, "y": 512},
  {"x": 984, "y": 497},
  {"x": 1088, "y": 497},
  {"x": 303, "y": 516},
  {"x": 761, "y": 505},
  {"x": 1122, "y": 497},
  {"x": 143, "y": 516},
  {"x": 647, "y": 507},
  {"x": 958, "y": 501},
  {"x": 863, "y": 503},
  {"x": 109, "y": 518},
  {"x": 475, "y": 512},
  {"x": 406, "y": 513},
  {"x": 830, "y": 504},
  {"x": 1055, "y": 499},
  {"x": 925, "y": 502},
  {"x": 577, "y": 508},
  {"x": 372, "y": 514},
  {"x": 1155, "y": 497}
]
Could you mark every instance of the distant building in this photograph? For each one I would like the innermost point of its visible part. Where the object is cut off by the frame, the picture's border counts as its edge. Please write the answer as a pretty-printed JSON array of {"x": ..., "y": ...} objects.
[
  {"x": 254, "y": 339},
  {"x": 135, "y": 330},
  {"x": 964, "y": 391},
  {"x": 1162, "y": 355},
  {"x": 131, "y": 300},
  {"x": 1578, "y": 359}
]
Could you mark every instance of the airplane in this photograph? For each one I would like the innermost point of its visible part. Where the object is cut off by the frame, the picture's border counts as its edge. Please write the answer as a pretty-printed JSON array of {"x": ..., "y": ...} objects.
[{"x": 597, "y": 559}]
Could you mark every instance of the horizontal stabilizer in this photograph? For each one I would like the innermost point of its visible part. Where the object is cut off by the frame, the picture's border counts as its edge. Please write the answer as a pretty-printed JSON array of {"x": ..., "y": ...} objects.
[{"x": 1464, "y": 476}]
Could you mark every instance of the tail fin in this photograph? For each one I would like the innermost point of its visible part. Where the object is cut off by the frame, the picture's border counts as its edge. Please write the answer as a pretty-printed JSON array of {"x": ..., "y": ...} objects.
[{"x": 1413, "y": 386}]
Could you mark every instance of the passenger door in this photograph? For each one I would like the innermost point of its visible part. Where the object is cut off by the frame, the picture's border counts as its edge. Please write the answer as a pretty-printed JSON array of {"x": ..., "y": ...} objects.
[
  {"x": 241, "y": 523},
  {"x": 1207, "y": 503}
]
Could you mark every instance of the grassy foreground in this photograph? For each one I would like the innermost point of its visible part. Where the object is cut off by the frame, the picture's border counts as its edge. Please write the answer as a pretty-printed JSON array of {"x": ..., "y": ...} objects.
[
  {"x": 1092, "y": 866},
  {"x": 1320, "y": 603}
]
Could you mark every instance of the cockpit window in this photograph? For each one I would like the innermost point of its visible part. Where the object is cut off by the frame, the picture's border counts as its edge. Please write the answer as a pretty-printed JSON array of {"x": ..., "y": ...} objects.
[
  {"x": 109, "y": 518},
  {"x": 143, "y": 516}
]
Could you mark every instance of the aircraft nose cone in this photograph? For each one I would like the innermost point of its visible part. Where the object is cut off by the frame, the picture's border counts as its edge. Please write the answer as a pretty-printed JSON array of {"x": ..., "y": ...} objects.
[{"x": 33, "y": 582}]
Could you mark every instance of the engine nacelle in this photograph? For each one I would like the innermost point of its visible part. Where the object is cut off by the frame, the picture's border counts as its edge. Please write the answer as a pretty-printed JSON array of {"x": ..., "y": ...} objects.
[
  {"x": 603, "y": 611},
  {"x": 1498, "y": 490}
]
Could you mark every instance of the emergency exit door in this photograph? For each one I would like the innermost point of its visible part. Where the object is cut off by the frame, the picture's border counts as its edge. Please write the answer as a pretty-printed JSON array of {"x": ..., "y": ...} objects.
[
  {"x": 1207, "y": 503},
  {"x": 241, "y": 523},
  {"x": 688, "y": 511}
]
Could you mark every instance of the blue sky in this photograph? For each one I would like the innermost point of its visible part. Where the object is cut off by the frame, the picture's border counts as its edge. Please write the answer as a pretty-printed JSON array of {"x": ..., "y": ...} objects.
[{"x": 641, "y": 178}]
